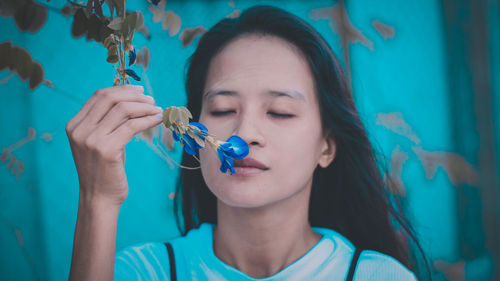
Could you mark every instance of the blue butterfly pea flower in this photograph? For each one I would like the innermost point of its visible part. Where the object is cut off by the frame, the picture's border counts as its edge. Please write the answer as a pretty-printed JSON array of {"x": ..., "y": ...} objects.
[
  {"x": 132, "y": 74},
  {"x": 189, "y": 144},
  {"x": 226, "y": 161},
  {"x": 131, "y": 57},
  {"x": 234, "y": 148},
  {"x": 203, "y": 130}
]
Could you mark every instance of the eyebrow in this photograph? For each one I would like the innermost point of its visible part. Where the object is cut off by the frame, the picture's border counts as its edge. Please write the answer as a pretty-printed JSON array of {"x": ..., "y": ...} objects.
[{"x": 293, "y": 94}]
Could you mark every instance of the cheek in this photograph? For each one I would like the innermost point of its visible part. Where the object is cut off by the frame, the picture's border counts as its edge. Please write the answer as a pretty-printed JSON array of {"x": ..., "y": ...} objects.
[{"x": 296, "y": 156}]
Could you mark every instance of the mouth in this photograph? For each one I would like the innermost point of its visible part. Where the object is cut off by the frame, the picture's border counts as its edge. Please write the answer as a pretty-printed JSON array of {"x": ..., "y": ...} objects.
[{"x": 249, "y": 166}]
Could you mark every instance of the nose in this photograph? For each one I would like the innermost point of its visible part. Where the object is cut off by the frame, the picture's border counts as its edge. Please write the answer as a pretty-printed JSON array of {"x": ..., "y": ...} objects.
[{"x": 247, "y": 128}]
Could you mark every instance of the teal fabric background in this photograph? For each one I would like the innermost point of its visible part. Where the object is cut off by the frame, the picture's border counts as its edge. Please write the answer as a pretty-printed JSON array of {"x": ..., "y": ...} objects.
[{"x": 397, "y": 57}]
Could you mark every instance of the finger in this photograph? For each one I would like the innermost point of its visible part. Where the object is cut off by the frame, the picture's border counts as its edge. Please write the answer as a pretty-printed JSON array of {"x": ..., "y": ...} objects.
[
  {"x": 122, "y": 112},
  {"x": 106, "y": 102},
  {"x": 125, "y": 132},
  {"x": 92, "y": 100}
]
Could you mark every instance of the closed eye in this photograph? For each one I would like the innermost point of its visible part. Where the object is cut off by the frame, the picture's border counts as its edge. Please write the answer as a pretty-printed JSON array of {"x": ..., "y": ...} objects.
[
  {"x": 280, "y": 115},
  {"x": 222, "y": 113},
  {"x": 273, "y": 114}
]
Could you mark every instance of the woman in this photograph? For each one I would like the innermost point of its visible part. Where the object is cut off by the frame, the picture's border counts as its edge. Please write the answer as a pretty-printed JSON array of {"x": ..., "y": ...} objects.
[{"x": 308, "y": 203}]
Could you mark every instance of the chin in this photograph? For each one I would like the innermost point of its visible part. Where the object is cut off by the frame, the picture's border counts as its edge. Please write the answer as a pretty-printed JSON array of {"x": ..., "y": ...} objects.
[{"x": 243, "y": 195}]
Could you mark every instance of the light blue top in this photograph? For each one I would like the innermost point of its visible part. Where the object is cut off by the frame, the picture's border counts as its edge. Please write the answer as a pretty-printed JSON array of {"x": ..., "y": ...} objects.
[{"x": 329, "y": 260}]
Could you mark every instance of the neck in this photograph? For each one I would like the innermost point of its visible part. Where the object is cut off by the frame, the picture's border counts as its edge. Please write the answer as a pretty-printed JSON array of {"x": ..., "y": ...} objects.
[{"x": 263, "y": 241}]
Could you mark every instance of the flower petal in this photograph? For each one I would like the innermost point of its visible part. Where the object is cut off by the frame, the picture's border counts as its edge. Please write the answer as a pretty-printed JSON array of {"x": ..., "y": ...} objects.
[
  {"x": 132, "y": 74},
  {"x": 175, "y": 135},
  {"x": 203, "y": 130},
  {"x": 190, "y": 145},
  {"x": 131, "y": 57},
  {"x": 239, "y": 147},
  {"x": 226, "y": 162}
]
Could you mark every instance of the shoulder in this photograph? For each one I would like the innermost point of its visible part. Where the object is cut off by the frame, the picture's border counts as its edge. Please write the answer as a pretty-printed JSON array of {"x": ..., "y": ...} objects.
[
  {"x": 146, "y": 261},
  {"x": 373, "y": 265},
  {"x": 149, "y": 261}
]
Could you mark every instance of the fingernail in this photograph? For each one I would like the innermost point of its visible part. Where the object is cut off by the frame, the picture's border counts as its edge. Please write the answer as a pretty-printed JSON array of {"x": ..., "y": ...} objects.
[
  {"x": 159, "y": 109},
  {"x": 159, "y": 116},
  {"x": 150, "y": 97}
]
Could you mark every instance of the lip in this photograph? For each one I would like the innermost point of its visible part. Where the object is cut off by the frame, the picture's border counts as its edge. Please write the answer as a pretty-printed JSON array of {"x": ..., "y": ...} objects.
[{"x": 249, "y": 163}]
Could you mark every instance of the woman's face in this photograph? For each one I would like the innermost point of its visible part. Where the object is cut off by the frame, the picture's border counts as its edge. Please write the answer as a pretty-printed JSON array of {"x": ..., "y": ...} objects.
[{"x": 261, "y": 89}]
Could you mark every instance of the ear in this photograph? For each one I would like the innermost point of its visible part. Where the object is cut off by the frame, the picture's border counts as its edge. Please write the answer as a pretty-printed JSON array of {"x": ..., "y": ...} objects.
[{"x": 327, "y": 151}]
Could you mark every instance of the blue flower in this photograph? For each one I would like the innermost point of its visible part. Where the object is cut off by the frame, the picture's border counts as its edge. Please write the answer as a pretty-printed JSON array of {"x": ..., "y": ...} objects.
[
  {"x": 131, "y": 57},
  {"x": 189, "y": 144},
  {"x": 203, "y": 131},
  {"x": 234, "y": 148},
  {"x": 132, "y": 74},
  {"x": 226, "y": 161}
]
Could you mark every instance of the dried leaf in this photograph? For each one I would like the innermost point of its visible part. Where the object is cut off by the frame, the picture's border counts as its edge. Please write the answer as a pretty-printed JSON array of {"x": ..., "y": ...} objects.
[
  {"x": 386, "y": 31},
  {"x": 143, "y": 57},
  {"x": 23, "y": 62},
  {"x": 189, "y": 34},
  {"x": 9, "y": 7},
  {"x": 79, "y": 26},
  {"x": 144, "y": 30},
  {"x": 36, "y": 77},
  {"x": 5, "y": 48},
  {"x": 119, "y": 5},
  {"x": 116, "y": 23},
  {"x": 157, "y": 13},
  {"x": 172, "y": 22},
  {"x": 172, "y": 115},
  {"x": 109, "y": 41},
  {"x": 93, "y": 28},
  {"x": 196, "y": 138},
  {"x": 112, "y": 55},
  {"x": 30, "y": 17},
  {"x": 139, "y": 21},
  {"x": 168, "y": 139},
  {"x": 183, "y": 108},
  {"x": 166, "y": 117}
]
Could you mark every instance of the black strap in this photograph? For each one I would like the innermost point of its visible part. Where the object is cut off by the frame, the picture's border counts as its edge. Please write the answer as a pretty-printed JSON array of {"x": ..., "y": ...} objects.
[
  {"x": 354, "y": 263},
  {"x": 171, "y": 261}
]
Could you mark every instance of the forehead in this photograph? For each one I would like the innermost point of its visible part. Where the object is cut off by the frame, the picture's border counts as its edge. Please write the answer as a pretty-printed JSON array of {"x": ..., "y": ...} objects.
[{"x": 260, "y": 63}]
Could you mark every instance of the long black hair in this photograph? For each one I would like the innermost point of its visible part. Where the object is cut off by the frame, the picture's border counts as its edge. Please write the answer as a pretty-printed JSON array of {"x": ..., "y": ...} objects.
[{"x": 350, "y": 196}]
